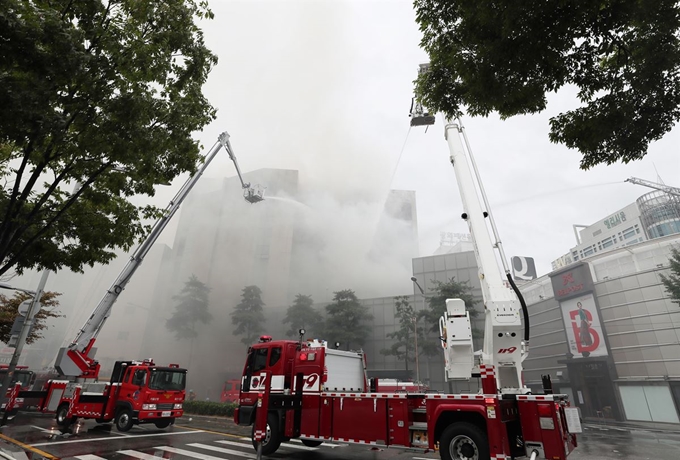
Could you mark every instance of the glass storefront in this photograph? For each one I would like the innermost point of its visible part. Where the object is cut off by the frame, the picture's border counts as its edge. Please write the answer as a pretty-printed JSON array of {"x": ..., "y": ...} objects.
[{"x": 648, "y": 403}]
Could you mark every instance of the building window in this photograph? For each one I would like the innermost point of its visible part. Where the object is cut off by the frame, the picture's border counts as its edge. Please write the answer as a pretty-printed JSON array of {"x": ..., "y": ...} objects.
[{"x": 648, "y": 403}]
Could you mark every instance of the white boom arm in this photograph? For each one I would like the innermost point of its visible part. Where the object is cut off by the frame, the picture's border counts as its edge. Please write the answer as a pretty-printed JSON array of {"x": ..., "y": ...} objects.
[
  {"x": 663, "y": 187},
  {"x": 503, "y": 346},
  {"x": 75, "y": 360}
]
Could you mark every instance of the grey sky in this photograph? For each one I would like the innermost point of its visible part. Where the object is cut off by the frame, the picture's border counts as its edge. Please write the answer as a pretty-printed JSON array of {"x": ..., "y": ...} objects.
[{"x": 325, "y": 86}]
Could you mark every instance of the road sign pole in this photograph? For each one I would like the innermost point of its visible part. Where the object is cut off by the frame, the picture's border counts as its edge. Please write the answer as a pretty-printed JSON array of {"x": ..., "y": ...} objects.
[{"x": 33, "y": 308}]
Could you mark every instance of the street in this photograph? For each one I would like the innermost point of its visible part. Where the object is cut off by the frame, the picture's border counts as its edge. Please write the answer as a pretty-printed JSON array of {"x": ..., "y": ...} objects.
[{"x": 204, "y": 439}]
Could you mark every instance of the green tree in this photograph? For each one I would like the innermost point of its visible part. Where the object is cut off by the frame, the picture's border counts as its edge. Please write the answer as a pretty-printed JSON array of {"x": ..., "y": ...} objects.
[
  {"x": 506, "y": 55},
  {"x": 672, "y": 281},
  {"x": 436, "y": 307},
  {"x": 404, "y": 347},
  {"x": 303, "y": 315},
  {"x": 105, "y": 95},
  {"x": 191, "y": 308},
  {"x": 9, "y": 310},
  {"x": 248, "y": 316},
  {"x": 346, "y": 320}
]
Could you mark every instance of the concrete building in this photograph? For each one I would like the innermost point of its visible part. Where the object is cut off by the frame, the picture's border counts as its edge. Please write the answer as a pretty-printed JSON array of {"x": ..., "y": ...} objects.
[{"x": 653, "y": 215}]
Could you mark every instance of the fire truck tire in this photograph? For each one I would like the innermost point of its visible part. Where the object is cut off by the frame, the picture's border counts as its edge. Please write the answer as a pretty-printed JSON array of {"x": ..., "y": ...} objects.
[
  {"x": 62, "y": 419},
  {"x": 124, "y": 420},
  {"x": 160, "y": 424},
  {"x": 311, "y": 443},
  {"x": 273, "y": 439},
  {"x": 464, "y": 441}
]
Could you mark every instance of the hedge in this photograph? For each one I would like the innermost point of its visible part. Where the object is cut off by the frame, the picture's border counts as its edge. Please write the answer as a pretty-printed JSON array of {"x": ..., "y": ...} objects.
[{"x": 209, "y": 408}]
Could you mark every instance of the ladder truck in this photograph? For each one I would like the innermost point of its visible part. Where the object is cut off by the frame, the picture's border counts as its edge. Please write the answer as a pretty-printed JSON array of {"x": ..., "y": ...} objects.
[
  {"x": 138, "y": 391},
  {"x": 308, "y": 390}
]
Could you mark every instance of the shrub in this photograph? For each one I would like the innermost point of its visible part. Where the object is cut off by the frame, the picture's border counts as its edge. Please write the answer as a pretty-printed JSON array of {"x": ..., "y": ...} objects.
[{"x": 209, "y": 408}]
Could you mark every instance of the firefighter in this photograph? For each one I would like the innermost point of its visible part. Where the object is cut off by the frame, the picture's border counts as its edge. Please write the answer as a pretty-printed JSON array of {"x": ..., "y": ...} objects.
[{"x": 192, "y": 395}]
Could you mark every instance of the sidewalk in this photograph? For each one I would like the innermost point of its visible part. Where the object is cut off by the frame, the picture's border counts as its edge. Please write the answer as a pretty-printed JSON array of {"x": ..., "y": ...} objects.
[{"x": 656, "y": 427}]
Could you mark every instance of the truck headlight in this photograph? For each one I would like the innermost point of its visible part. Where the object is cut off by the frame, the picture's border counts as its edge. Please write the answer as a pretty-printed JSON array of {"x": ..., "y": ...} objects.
[
  {"x": 148, "y": 407},
  {"x": 178, "y": 406}
]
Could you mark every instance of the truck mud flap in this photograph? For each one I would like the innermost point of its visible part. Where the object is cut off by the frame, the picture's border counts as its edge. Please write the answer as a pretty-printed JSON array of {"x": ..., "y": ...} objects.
[{"x": 246, "y": 415}]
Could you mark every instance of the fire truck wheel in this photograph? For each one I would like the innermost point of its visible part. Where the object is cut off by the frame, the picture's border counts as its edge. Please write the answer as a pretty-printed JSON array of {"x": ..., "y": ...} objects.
[
  {"x": 310, "y": 443},
  {"x": 464, "y": 441},
  {"x": 124, "y": 420},
  {"x": 160, "y": 424},
  {"x": 62, "y": 419},
  {"x": 273, "y": 438}
]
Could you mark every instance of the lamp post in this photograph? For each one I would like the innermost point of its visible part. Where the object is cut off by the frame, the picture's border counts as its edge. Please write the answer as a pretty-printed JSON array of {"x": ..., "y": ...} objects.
[
  {"x": 23, "y": 334},
  {"x": 415, "y": 323}
]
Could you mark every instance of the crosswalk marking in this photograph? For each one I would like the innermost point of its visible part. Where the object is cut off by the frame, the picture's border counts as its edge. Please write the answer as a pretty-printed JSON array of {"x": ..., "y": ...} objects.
[
  {"x": 284, "y": 444},
  {"x": 188, "y": 453},
  {"x": 140, "y": 455},
  {"x": 89, "y": 457},
  {"x": 222, "y": 450}
]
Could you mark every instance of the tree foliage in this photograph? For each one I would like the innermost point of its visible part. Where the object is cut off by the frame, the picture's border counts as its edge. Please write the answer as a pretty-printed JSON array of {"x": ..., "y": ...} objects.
[
  {"x": 346, "y": 320},
  {"x": 9, "y": 310},
  {"x": 506, "y": 55},
  {"x": 404, "y": 347},
  {"x": 302, "y": 314},
  {"x": 101, "y": 95},
  {"x": 672, "y": 281},
  {"x": 248, "y": 316},
  {"x": 191, "y": 308},
  {"x": 436, "y": 307}
]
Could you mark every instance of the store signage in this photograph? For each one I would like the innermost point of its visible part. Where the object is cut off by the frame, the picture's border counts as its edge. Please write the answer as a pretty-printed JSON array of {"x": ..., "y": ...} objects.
[
  {"x": 572, "y": 282},
  {"x": 616, "y": 219}
]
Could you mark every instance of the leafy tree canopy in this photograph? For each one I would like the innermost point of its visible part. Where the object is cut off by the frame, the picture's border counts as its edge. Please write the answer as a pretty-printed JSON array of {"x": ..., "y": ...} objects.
[
  {"x": 248, "y": 316},
  {"x": 404, "y": 347},
  {"x": 506, "y": 55},
  {"x": 9, "y": 310},
  {"x": 436, "y": 307},
  {"x": 103, "y": 96},
  {"x": 346, "y": 320},
  {"x": 672, "y": 281},
  {"x": 191, "y": 308},
  {"x": 303, "y": 315}
]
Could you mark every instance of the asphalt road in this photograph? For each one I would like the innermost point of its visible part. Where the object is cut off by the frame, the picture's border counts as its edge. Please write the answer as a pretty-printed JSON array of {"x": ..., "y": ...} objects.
[{"x": 207, "y": 438}]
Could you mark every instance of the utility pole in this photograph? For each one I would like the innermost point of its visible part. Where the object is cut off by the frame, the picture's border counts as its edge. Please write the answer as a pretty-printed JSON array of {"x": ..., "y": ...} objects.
[
  {"x": 415, "y": 322},
  {"x": 30, "y": 314}
]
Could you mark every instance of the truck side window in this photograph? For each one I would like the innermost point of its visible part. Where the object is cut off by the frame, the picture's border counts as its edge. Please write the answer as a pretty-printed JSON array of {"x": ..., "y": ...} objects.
[
  {"x": 274, "y": 356},
  {"x": 139, "y": 377},
  {"x": 259, "y": 359}
]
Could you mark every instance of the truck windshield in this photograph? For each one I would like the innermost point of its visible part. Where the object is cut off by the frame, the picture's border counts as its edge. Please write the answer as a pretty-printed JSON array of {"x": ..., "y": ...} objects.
[
  {"x": 24, "y": 377},
  {"x": 167, "y": 380}
]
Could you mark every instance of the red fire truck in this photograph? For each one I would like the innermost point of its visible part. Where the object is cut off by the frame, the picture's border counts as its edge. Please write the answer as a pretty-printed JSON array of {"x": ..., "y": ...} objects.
[
  {"x": 23, "y": 377},
  {"x": 138, "y": 391},
  {"x": 230, "y": 391},
  {"x": 306, "y": 390}
]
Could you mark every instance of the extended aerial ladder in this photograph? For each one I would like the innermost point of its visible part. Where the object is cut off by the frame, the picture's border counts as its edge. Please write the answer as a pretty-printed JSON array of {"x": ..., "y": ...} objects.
[
  {"x": 77, "y": 360},
  {"x": 675, "y": 191},
  {"x": 505, "y": 342}
]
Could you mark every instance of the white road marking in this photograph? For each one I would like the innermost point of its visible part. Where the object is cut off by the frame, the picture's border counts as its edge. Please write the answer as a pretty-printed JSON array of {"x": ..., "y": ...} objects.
[
  {"x": 325, "y": 443},
  {"x": 188, "y": 453},
  {"x": 284, "y": 444},
  {"x": 42, "y": 429},
  {"x": 223, "y": 450},
  {"x": 140, "y": 455},
  {"x": 109, "y": 438},
  {"x": 89, "y": 457}
]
